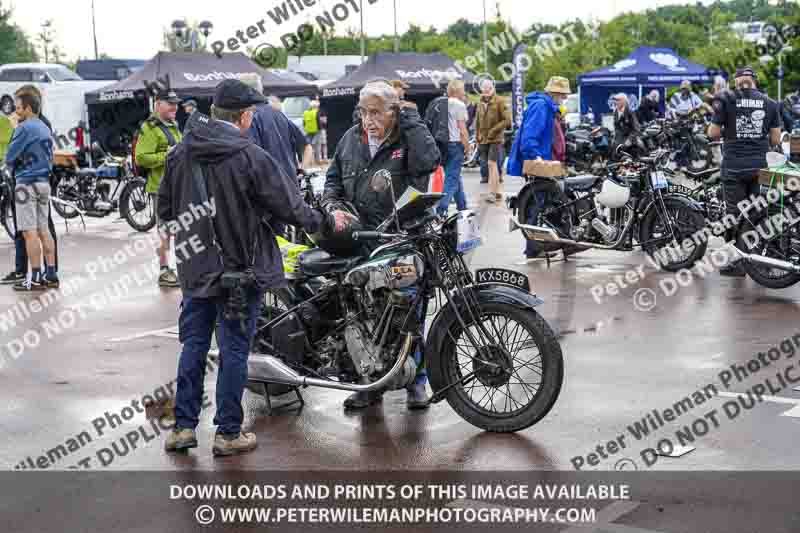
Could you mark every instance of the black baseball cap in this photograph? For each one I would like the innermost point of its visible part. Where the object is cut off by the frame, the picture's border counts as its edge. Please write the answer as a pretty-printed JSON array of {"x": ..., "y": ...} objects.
[
  {"x": 190, "y": 101},
  {"x": 745, "y": 71},
  {"x": 168, "y": 96},
  {"x": 234, "y": 94}
]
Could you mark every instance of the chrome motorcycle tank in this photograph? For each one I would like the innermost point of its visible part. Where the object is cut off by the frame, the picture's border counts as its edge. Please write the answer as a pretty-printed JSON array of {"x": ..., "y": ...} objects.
[{"x": 393, "y": 269}]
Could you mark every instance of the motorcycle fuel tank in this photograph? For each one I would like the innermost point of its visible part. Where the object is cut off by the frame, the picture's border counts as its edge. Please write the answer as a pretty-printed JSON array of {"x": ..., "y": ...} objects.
[{"x": 393, "y": 271}]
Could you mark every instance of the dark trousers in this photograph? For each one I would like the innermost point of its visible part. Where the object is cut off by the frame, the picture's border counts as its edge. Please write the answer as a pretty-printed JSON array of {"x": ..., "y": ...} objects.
[
  {"x": 532, "y": 248},
  {"x": 198, "y": 319},
  {"x": 21, "y": 254},
  {"x": 735, "y": 189}
]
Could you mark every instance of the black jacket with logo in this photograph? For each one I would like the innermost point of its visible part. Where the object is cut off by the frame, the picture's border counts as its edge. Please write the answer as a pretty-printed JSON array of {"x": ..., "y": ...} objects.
[
  {"x": 249, "y": 190},
  {"x": 409, "y": 154}
]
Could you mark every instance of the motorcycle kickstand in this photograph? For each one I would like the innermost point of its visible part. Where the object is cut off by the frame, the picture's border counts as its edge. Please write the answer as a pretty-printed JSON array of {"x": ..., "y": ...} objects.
[{"x": 299, "y": 401}]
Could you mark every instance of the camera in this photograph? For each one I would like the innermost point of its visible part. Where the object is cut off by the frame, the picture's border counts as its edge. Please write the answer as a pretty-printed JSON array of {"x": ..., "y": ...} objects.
[{"x": 239, "y": 287}]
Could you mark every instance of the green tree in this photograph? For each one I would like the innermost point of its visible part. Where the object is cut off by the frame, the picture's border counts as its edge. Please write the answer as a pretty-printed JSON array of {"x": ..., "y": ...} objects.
[{"x": 15, "y": 47}]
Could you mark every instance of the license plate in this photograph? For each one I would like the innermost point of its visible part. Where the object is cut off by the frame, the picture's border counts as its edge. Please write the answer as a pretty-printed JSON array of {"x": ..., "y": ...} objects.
[
  {"x": 659, "y": 180},
  {"x": 504, "y": 277}
]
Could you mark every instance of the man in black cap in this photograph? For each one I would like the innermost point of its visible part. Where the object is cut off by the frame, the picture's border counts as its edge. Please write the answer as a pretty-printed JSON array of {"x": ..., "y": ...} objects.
[
  {"x": 189, "y": 107},
  {"x": 231, "y": 191},
  {"x": 749, "y": 122}
]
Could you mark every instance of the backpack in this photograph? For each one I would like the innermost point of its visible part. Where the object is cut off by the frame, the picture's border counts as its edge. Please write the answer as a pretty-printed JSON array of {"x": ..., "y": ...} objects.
[
  {"x": 436, "y": 119},
  {"x": 141, "y": 171}
]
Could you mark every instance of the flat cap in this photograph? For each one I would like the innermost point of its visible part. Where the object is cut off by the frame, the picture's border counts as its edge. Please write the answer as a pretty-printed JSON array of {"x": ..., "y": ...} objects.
[{"x": 233, "y": 94}]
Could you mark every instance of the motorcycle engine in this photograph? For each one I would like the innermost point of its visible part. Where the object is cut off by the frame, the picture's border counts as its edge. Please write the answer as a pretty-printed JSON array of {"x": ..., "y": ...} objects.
[{"x": 373, "y": 354}]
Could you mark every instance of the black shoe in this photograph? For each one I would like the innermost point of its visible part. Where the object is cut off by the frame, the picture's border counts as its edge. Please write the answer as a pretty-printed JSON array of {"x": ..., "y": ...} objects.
[
  {"x": 417, "y": 397},
  {"x": 28, "y": 286},
  {"x": 361, "y": 400},
  {"x": 484, "y": 181},
  {"x": 51, "y": 283},
  {"x": 13, "y": 277},
  {"x": 732, "y": 271}
]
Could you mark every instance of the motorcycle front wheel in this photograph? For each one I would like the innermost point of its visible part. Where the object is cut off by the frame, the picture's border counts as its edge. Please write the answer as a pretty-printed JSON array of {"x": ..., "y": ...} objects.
[
  {"x": 136, "y": 207},
  {"x": 8, "y": 218},
  {"x": 508, "y": 383},
  {"x": 656, "y": 235}
]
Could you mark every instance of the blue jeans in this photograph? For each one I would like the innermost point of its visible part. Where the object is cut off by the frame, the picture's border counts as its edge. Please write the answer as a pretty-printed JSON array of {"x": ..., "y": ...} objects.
[
  {"x": 453, "y": 184},
  {"x": 198, "y": 318}
]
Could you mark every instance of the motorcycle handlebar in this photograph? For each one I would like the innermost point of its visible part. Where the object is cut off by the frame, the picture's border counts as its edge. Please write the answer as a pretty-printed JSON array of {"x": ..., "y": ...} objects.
[{"x": 372, "y": 236}]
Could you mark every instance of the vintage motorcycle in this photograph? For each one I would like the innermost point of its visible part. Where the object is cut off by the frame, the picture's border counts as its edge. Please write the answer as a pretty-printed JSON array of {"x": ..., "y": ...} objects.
[
  {"x": 354, "y": 324},
  {"x": 88, "y": 191},
  {"x": 631, "y": 207},
  {"x": 588, "y": 148}
]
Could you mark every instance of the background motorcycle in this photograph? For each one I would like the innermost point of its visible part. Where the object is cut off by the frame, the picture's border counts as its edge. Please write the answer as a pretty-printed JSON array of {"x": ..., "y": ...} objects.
[
  {"x": 6, "y": 201},
  {"x": 88, "y": 191},
  {"x": 587, "y": 148},
  {"x": 488, "y": 352},
  {"x": 632, "y": 202}
]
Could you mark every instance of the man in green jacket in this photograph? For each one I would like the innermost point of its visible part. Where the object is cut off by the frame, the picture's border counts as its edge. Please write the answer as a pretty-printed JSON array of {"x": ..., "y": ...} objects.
[
  {"x": 158, "y": 135},
  {"x": 6, "y": 131}
]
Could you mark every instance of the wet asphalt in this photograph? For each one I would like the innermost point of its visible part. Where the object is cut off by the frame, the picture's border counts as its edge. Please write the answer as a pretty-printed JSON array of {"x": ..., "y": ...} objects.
[{"x": 76, "y": 385}]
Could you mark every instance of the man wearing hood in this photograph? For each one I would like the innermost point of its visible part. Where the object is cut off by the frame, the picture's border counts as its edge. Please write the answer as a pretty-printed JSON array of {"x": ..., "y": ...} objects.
[
  {"x": 535, "y": 138},
  {"x": 219, "y": 194}
]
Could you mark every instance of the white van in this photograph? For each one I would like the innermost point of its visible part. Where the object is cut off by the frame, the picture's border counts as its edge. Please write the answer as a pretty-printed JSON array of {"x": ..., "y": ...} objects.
[{"x": 62, "y": 95}]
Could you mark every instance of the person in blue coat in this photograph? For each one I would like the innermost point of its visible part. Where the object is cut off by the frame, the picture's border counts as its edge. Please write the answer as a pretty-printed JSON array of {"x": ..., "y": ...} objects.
[{"x": 535, "y": 139}]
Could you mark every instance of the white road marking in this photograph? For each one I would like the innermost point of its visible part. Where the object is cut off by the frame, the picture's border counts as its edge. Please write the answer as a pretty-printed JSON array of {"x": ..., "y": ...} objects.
[
  {"x": 166, "y": 332},
  {"x": 718, "y": 355},
  {"x": 793, "y": 412},
  {"x": 678, "y": 451}
]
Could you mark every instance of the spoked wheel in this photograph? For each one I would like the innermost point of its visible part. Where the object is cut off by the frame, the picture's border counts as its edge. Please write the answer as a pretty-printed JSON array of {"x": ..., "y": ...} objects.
[
  {"x": 8, "y": 218},
  {"x": 511, "y": 380},
  {"x": 137, "y": 208},
  {"x": 64, "y": 191},
  {"x": 671, "y": 243},
  {"x": 769, "y": 234}
]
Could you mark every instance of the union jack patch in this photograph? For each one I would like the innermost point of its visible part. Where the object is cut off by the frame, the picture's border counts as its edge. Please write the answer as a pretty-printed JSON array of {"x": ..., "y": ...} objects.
[{"x": 397, "y": 154}]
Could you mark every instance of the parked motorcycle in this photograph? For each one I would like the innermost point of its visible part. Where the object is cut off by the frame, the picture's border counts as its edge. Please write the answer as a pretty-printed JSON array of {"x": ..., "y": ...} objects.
[
  {"x": 487, "y": 351},
  {"x": 689, "y": 143},
  {"x": 587, "y": 149},
  {"x": 630, "y": 207},
  {"x": 88, "y": 191}
]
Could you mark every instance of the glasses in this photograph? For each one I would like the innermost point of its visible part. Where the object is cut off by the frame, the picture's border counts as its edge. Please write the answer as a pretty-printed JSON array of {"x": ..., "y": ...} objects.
[{"x": 371, "y": 114}]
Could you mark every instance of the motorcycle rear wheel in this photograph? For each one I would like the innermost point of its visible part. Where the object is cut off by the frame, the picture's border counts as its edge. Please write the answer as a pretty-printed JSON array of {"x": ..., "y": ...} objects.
[
  {"x": 524, "y": 403},
  {"x": 8, "y": 218},
  {"x": 772, "y": 278},
  {"x": 63, "y": 210}
]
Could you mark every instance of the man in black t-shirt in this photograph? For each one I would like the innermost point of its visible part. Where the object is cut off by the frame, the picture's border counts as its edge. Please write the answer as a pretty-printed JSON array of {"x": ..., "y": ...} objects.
[{"x": 749, "y": 123}]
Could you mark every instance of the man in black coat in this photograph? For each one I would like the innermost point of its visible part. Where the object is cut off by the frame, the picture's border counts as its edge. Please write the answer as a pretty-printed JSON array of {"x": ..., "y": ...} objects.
[
  {"x": 648, "y": 108},
  {"x": 218, "y": 188},
  {"x": 390, "y": 137}
]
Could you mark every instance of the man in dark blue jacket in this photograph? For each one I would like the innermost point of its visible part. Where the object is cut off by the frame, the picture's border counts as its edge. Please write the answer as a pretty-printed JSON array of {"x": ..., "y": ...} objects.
[
  {"x": 535, "y": 140},
  {"x": 218, "y": 188}
]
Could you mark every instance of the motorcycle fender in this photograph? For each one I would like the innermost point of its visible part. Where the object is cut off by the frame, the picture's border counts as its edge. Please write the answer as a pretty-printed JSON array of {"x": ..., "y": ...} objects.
[
  {"x": 513, "y": 200},
  {"x": 484, "y": 293}
]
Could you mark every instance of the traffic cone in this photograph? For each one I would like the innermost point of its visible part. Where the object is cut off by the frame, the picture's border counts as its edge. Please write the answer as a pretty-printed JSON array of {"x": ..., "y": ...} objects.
[{"x": 437, "y": 180}]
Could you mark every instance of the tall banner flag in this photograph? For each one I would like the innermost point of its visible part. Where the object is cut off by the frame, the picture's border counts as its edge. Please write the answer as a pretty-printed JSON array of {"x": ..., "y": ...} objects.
[{"x": 518, "y": 85}]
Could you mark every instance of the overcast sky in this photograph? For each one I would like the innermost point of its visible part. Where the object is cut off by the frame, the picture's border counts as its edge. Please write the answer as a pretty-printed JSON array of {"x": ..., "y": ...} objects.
[{"x": 133, "y": 28}]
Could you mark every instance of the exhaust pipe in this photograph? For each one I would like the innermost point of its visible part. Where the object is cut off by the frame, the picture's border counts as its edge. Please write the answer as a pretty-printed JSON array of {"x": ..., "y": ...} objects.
[
  {"x": 772, "y": 263},
  {"x": 539, "y": 233},
  {"x": 767, "y": 261},
  {"x": 270, "y": 369}
]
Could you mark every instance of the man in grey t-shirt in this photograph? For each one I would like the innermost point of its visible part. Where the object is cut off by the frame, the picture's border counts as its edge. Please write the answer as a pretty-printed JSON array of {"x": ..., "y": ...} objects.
[{"x": 457, "y": 147}]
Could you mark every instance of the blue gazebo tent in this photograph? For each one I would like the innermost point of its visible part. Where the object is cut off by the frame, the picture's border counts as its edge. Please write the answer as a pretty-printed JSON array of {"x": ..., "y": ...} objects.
[{"x": 645, "y": 69}]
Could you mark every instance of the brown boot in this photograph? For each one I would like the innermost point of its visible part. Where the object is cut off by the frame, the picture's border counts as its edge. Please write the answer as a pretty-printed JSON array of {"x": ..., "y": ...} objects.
[
  {"x": 180, "y": 439},
  {"x": 242, "y": 443}
]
